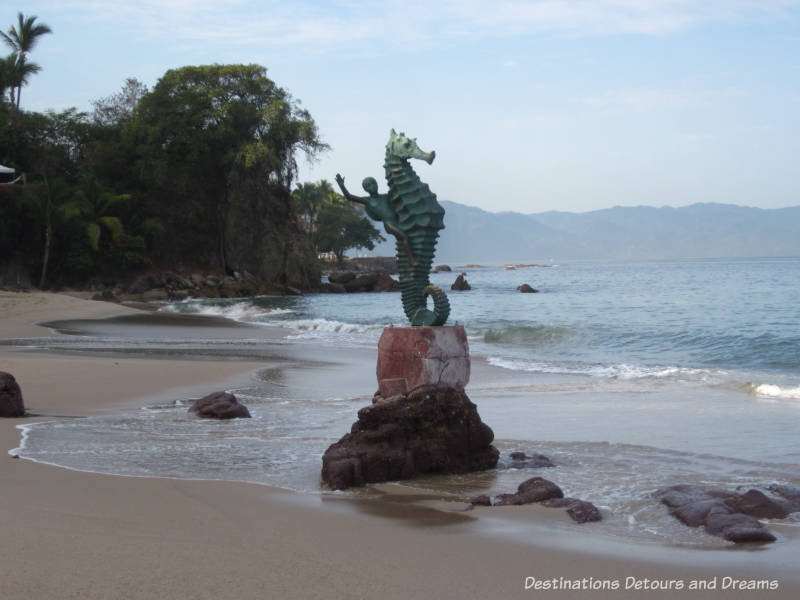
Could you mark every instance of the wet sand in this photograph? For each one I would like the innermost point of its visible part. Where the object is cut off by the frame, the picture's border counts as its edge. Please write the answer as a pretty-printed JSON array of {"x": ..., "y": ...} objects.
[{"x": 68, "y": 534}]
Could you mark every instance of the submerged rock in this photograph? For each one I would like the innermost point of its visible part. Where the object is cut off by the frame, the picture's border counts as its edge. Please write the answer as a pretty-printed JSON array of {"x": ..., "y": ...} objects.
[
  {"x": 429, "y": 430},
  {"x": 520, "y": 460},
  {"x": 547, "y": 493},
  {"x": 526, "y": 289},
  {"x": 11, "y": 404},
  {"x": 579, "y": 511},
  {"x": 219, "y": 405},
  {"x": 723, "y": 513}
]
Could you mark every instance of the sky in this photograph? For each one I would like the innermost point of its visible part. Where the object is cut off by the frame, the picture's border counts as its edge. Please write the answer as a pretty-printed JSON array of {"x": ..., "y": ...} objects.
[{"x": 536, "y": 105}]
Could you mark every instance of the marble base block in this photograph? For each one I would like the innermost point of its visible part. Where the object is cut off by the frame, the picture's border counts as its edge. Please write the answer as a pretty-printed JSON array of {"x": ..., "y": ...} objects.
[{"x": 409, "y": 357}]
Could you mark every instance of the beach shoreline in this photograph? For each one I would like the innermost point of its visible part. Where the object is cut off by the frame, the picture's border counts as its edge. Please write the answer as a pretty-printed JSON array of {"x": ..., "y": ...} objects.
[{"x": 78, "y": 534}]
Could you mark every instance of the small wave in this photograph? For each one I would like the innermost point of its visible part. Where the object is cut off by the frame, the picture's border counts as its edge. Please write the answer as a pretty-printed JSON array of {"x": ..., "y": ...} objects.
[
  {"x": 620, "y": 371},
  {"x": 240, "y": 311},
  {"x": 526, "y": 335},
  {"x": 775, "y": 391},
  {"x": 325, "y": 329}
]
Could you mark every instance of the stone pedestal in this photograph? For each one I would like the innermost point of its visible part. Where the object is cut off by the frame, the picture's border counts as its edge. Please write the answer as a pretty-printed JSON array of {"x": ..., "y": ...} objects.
[{"x": 409, "y": 357}]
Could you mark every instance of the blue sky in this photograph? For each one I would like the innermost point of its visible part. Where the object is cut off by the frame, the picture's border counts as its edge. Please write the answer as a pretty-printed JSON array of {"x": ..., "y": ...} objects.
[{"x": 530, "y": 105}]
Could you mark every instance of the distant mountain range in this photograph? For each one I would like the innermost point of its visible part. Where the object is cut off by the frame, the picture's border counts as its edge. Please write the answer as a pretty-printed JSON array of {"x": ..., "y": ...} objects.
[{"x": 619, "y": 233}]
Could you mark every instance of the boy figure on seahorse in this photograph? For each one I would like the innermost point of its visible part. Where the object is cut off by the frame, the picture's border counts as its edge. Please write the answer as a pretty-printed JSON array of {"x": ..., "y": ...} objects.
[{"x": 411, "y": 213}]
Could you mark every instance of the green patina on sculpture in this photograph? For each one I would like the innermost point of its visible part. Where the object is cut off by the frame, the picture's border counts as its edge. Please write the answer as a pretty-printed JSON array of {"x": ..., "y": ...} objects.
[{"x": 411, "y": 213}]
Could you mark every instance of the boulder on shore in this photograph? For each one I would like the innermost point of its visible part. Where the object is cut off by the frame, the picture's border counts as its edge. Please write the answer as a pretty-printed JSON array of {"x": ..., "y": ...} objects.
[
  {"x": 219, "y": 405},
  {"x": 536, "y": 489},
  {"x": 428, "y": 430},
  {"x": 11, "y": 404}
]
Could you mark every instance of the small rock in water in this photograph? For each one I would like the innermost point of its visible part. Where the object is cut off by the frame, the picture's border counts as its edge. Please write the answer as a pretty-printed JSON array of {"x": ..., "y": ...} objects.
[
  {"x": 535, "y": 461},
  {"x": 219, "y": 405},
  {"x": 482, "y": 500},
  {"x": 461, "y": 284},
  {"x": 532, "y": 490},
  {"x": 526, "y": 289},
  {"x": 729, "y": 515}
]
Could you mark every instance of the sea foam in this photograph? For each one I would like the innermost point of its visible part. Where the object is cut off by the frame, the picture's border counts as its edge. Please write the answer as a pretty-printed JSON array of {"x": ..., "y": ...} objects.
[
  {"x": 775, "y": 391},
  {"x": 245, "y": 312},
  {"x": 618, "y": 371}
]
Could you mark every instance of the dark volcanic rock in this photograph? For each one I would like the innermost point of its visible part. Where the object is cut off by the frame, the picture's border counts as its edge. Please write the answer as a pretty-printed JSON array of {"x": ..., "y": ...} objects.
[
  {"x": 482, "y": 500},
  {"x": 726, "y": 514},
  {"x": 532, "y": 490},
  {"x": 428, "y": 430},
  {"x": 579, "y": 511},
  {"x": 333, "y": 288},
  {"x": 460, "y": 284},
  {"x": 535, "y": 461},
  {"x": 789, "y": 493},
  {"x": 385, "y": 283},
  {"x": 10, "y": 396},
  {"x": 582, "y": 511},
  {"x": 341, "y": 277},
  {"x": 537, "y": 489},
  {"x": 362, "y": 283},
  {"x": 737, "y": 527},
  {"x": 219, "y": 405},
  {"x": 754, "y": 503},
  {"x": 443, "y": 269},
  {"x": 526, "y": 289}
]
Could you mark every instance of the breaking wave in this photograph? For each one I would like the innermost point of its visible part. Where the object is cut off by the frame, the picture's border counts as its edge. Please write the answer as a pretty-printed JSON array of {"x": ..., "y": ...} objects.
[
  {"x": 770, "y": 390},
  {"x": 243, "y": 311},
  {"x": 618, "y": 371}
]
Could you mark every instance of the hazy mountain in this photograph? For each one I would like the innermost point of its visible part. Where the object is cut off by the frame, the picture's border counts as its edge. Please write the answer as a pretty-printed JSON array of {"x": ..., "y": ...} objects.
[{"x": 619, "y": 233}]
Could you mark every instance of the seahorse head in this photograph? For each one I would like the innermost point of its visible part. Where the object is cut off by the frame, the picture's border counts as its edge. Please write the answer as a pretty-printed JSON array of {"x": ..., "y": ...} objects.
[{"x": 401, "y": 146}]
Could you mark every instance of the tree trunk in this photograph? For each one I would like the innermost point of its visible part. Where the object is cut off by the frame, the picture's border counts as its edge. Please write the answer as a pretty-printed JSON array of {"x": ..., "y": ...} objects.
[
  {"x": 48, "y": 235},
  {"x": 222, "y": 224}
]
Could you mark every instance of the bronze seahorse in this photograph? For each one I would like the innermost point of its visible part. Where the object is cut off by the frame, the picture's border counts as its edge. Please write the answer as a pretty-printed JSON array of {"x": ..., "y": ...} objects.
[{"x": 412, "y": 214}]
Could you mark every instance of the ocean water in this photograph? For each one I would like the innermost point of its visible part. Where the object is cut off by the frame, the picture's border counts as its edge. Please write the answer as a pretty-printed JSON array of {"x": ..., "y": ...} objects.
[{"x": 630, "y": 376}]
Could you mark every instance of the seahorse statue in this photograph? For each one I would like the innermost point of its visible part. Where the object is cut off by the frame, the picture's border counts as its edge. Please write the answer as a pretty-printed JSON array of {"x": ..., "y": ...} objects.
[{"x": 412, "y": 214}]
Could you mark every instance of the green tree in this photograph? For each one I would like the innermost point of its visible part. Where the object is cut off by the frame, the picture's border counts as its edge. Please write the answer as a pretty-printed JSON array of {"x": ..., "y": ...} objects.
[
  {"x": 48, "y": 203},
  {"x": 341, "y": 226},
  {"x": 7, "y": 76},
  {"x": 114, "y": 110},
  {"x": 204, "y": 130},
  {"x": 97, "y": 207},
  {"x": 308, "y": 198},
  {"x": 22, "y": 39}
]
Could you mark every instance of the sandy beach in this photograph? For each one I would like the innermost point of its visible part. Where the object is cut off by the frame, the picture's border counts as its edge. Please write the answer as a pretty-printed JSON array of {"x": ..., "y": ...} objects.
[{"x": 69, "y": 534}]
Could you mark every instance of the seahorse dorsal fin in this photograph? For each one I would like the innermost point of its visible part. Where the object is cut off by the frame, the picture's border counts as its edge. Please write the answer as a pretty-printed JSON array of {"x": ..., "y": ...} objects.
[{"x": 393, "y": 132}]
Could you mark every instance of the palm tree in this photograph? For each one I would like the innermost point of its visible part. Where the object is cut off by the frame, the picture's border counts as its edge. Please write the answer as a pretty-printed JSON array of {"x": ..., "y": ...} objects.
[
  {"x": 93, "y": 203},
  {"x": 48, "y": 203},
  {"x": 22, "y": 39},
  {"x": 309, "y": 198},
  {"x": 7, "y": 76}
]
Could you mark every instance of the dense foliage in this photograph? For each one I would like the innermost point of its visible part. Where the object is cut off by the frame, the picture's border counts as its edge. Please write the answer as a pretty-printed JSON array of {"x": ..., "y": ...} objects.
[
  {"x": 169, "y": 176},
  {"x": 333, "y": 224}
]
